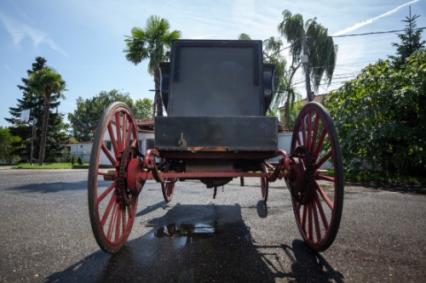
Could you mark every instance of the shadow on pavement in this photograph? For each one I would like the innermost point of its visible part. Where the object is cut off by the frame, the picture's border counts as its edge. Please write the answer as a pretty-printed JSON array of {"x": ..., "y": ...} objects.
[
  {"x": 308, "y": 265},
  {"x": 52, "y": 187},
  {"x": 148, "y": 209},
  {"x": 198, "y": 243}
]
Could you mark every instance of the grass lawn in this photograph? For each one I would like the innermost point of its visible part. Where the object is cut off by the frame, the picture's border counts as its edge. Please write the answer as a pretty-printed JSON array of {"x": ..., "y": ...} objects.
[{"x": 58, "y": 165}]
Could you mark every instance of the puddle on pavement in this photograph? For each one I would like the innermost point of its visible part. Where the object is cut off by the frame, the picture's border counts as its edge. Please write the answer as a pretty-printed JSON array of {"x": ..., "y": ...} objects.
[{"x": 198, "y": 230}]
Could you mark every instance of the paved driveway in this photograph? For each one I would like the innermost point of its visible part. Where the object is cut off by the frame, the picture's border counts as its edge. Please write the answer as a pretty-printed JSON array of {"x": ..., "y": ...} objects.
[{"x": 45, "y": 235}]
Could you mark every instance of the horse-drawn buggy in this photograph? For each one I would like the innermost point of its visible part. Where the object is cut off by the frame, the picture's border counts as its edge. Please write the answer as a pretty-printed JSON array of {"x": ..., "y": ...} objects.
[{"x": 216, "y": 94}]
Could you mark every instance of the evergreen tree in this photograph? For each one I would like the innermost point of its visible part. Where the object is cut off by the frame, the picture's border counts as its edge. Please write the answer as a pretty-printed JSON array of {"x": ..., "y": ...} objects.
[
  {"x": 85, "y": 118},
  {"x": 410, "y": 40},
  {"x": 56, "y": 135}
]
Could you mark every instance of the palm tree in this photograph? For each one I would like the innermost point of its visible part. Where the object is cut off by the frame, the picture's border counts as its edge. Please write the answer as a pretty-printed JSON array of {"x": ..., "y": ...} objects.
[
  {"x": 44, "y": 83},
  {"x": 244, "y": 36},
  {"x": 153, "y": 42},
  {"x": 309, "y": 41},
  {"x": 272, "y": 54}
]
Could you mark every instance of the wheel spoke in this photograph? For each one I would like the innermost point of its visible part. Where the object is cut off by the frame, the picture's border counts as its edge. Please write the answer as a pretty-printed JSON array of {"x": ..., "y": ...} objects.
[
  {"x": 324, "y": 178},
  {"x": 112, "y": 222},
  {"x": 303, "y": 163},
  {"x": 105, "y": 173},
  {"x": 308, "y": 139},
  {"x": 129, "y": 133},
  {"x": 108, "y": 210},
  {"x": 130, "y": 211},
  {"x": 298, "y": 139},
  {"x": 315, "y": 132},
  {"x": 325, "y": 196},
  {"x": 317, "y": 227},
  {"x": 124, "y": 135},
  {"x": 112, "y": 138},
  {"x": 322, "y": 160},
  {"x": 118, "y": 223},
  {"x": 321, "y": 212},
  {"x": 302, "y": 128},
  {"x": 310, "y": 235},
  {"x": 123, "y": 220},
  {"x": 118, "y": 130},
  {"x": 109, "y": 155},
  {"x": 321, "y": 141},
  {"x": 304, "y": 217},
  {"x": 104, "y": 194}
]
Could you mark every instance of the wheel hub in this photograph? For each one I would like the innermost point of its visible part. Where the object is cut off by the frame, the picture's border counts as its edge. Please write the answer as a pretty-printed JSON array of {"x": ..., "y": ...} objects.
[
  {"x": 125, "y": 195},
  {"x": 301, "y": 175}
]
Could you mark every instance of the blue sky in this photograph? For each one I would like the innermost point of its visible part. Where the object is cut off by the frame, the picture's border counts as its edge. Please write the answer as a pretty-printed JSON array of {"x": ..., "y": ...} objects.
[{"x": 84, "y": 39}]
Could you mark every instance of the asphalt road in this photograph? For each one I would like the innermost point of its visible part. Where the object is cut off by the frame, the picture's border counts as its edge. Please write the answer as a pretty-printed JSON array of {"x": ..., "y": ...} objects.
[{"x": 45, "y": 235}]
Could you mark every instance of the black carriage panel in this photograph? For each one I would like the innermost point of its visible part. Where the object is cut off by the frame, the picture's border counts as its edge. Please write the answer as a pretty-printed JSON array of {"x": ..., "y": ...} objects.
[
  {"x": 268, "y": 84},
  {"x": 216, "y": 78},
  {"x": 165, "y": 82},
  {"x": 216, "y": 93},
  {"x": 252, "y": 133}
]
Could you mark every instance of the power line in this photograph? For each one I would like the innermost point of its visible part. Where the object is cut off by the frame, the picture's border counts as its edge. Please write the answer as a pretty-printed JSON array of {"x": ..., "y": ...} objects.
[
  {"x": 374, "y": 32},
  {"x": 356, "y": 34}
]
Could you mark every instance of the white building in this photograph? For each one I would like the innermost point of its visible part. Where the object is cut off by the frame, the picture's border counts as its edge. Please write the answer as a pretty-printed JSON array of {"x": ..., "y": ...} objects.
[{"x": 145, "y": 139}]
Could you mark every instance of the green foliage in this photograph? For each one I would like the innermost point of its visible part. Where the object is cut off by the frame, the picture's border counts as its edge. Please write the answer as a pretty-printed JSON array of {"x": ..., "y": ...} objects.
[
  {"x": 142, "y": 108},
  {"x": 244, "y": 36},
  {"x": 85, "y": 117},
  {"x": 151, "y": 43},
  {"x": 45, "y": 82},
  {"x": 56, "y": 134},
  {"x": 319, "y": 46},
  {"x": 381, "y": 117},
  {"x": 56, "y": 165},
  {"x": 272, "y": 55},
  {"x": 7, "y": 141},
  {"x": 410, "y": 41},
  {"x": 294, "y": 112},
  {"x": 272, "y": 48}
]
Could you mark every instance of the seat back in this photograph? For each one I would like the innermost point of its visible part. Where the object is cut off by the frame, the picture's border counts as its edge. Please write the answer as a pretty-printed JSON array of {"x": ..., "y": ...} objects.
[{"x": 214, "y": 78}]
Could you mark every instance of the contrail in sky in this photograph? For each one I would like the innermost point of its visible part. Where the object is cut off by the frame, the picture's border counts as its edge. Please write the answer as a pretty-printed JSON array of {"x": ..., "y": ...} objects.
[{"x": 372, "y": 20}]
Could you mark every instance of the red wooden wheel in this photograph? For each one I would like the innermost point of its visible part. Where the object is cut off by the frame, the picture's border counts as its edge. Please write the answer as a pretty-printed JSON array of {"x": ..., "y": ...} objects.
[
  {"x": 168, "y": 187},
  {"x": 316, "y": 177},
  {"x": 112, "y": 205},
  {"x": 264, "y": 186}
]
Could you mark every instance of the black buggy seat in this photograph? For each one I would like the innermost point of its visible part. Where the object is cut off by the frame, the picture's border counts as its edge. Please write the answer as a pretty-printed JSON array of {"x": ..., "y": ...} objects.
[{"x": 216, "y": 93}]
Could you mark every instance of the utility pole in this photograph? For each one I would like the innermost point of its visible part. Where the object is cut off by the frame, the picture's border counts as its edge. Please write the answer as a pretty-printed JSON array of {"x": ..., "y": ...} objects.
[{"x": 307, "y": 69}]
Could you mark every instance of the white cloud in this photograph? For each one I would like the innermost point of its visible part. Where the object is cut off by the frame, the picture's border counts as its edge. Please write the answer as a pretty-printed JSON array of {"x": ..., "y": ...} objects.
[
  {"x": 372, "y": 20},
  {"x": 20, "y": 31}
]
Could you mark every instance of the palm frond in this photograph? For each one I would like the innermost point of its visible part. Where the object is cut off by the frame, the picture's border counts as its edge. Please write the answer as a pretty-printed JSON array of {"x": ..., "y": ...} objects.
[
  {"x": 244, "y": 36},
  {"x": 153, "y": 42},
  {"x": 46, "y": 81}
]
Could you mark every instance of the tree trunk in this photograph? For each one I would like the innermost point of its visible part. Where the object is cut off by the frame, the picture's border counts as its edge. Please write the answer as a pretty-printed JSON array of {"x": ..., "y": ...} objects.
[
  {"x": 157, "y": 98},
  {"x": 45, "y": 122},
  {"x": 287, "y": 114},
  {"x": 309, "y": 94},
  {"x": 287, "y": 103}
]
